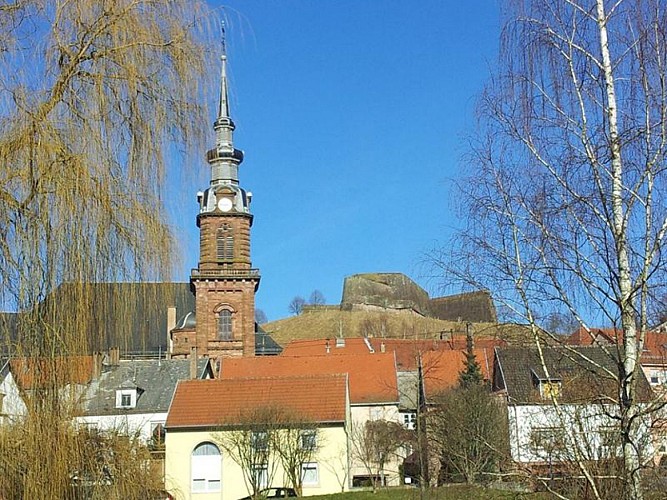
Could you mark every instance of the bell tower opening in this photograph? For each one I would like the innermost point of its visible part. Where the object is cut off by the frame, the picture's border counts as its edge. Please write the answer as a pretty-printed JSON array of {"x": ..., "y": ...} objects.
[{"x": 225, "y": 243}]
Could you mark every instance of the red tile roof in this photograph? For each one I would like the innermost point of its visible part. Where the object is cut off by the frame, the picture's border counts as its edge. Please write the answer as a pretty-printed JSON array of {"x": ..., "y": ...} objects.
[
  {"x": 655, "y": 343},
  {"x": 215, "y": 402},
  {"x": 441, "y": 369},
  {"x": 407, "y": 350},
  {"x": 372, "y": 378},
  {"x": 35, "y": 373}
]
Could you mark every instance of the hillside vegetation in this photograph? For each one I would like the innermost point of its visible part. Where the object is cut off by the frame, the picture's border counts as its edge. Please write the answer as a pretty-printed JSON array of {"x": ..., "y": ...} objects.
[{"x": 328, "y": 322}]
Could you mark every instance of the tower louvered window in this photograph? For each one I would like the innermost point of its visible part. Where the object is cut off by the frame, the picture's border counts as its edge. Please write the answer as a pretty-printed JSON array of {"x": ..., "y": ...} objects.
[
  {"x": 225, "y": 325},
  {"x": 225, "y": 243}
]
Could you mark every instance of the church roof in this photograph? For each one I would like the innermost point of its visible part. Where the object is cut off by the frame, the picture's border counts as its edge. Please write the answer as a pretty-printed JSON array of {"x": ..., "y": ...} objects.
[
  {"x": 407, "y": 350},
  {"x": 132, "y": 316}
]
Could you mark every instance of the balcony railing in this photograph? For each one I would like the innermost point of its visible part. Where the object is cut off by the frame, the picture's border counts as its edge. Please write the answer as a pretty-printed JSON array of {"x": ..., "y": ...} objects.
[{"x": 225, "y": 273}]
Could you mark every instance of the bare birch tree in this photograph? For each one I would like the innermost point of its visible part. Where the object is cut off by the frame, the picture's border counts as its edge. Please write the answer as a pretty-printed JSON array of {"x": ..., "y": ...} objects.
[{"x": 565, "y": 200}]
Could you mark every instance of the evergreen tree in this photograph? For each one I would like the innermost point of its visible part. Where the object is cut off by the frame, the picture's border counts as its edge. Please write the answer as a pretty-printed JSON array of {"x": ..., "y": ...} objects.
[{"x": 471, "y": 375}]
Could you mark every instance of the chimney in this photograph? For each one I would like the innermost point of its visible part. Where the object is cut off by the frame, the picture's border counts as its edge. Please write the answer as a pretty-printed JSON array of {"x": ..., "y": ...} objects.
[
  {"x": 327, "y": 347},
  {"x": 193, "y": 362},
  {"x": 171, "y": 324},
  {"x": 114, "y": 356},
  {"x": 97, "y": 365},
  {"x": 383, "y": 348}
]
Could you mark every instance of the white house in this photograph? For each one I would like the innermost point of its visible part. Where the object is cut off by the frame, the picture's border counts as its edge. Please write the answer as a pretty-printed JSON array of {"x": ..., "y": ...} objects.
[
  {"x": 11, "y": 402},
  {"x": 581, "y": 424},
  {"x": 133, "y": 396}
]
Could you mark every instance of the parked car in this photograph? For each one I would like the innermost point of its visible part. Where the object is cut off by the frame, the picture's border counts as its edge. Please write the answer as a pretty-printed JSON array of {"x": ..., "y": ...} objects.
[{"x": 274, "y": 493}]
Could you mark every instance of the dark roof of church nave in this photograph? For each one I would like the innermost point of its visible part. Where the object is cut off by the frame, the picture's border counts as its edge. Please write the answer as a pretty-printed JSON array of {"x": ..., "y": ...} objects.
[{"x": 130, "y": 316}]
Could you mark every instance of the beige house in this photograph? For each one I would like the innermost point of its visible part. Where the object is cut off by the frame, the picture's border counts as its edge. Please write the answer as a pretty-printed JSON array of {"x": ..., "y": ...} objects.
[
  {"x": 207, "y": 415},
  {"x": 373, "y": 389}
]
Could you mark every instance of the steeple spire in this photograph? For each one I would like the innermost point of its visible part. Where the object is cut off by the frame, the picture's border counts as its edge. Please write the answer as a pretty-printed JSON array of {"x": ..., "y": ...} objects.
[
  {"x": 224, "y": 158},
  {"x": 223, "y": 108}
]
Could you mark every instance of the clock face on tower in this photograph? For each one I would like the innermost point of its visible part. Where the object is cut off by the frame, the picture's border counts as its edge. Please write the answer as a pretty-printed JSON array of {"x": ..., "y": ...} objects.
[{"x": 225, "y": 204}]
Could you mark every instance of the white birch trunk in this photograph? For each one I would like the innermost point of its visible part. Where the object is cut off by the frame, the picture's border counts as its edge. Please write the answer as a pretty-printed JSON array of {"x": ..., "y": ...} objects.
[{"x": 627, "y": 399}]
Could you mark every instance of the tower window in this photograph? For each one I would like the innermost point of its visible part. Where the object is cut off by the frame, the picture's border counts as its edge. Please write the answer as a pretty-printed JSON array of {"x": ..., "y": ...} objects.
[
  {"x": 225, "y": 325},
  {"x": 225, "y": 243}
]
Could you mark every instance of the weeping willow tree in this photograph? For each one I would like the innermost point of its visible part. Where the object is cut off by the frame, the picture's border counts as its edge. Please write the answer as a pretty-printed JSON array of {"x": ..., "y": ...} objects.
[
  {"x": 565, "y": 201},
  {"x": 95, "y": 98}
]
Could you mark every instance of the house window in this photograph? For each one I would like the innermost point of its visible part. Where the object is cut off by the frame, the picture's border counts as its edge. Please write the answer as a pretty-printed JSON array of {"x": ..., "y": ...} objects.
[
  {"x": 260, "y": 473},
  {"x": 310, "y": 474},
  {"x": 126, "y": 398},
  {"x": 610, "y": 442},
  {"x": 206, "y": 467},
  {"x": 225, "y": 243},
  {"x": 225, "y": 325},
  {"x": 259, "y": 441},
  {"x": 409, "y": 420},
  {"x": 309, "y": 440},
  {"x": 157, "y": 435},
  {"x": 550, "y": 388},
  {"x": 548, "y": 442}
]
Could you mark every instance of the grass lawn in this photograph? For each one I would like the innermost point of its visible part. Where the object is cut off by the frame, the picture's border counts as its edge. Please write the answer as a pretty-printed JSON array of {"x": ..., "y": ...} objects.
[{"x": 454, "y": 492}]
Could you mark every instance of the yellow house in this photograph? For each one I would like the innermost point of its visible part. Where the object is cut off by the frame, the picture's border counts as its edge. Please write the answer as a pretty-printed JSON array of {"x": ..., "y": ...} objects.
[{"x": 227, "y": 437}]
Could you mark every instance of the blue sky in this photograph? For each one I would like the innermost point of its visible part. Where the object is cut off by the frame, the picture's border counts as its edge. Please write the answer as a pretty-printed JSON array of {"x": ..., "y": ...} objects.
[{"x": 352, "y": 116}]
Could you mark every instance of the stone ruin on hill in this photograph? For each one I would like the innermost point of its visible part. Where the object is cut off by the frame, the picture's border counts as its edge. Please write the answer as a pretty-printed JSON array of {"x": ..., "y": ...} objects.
[{"x": 397, "y": 292}]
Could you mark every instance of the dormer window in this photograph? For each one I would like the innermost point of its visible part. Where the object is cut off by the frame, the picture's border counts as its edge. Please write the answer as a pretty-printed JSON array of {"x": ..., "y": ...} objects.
[
  {"x": 550, "y": 388},
  {"x": 126, "y": 398}
]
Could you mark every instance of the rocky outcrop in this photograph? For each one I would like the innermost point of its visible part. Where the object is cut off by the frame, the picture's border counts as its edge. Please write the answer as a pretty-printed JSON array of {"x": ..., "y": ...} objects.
[
  {"x": 397, "y": 292},
  {"x": 385, "y": 291}
]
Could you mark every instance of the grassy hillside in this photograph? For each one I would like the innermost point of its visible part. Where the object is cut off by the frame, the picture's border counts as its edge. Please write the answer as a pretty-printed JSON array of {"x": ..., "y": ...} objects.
[{"x": 330, "y": 323}]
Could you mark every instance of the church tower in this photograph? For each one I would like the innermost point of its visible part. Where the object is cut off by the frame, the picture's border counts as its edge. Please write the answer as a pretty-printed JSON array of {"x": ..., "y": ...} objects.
[{"x": 224, "y": 281}]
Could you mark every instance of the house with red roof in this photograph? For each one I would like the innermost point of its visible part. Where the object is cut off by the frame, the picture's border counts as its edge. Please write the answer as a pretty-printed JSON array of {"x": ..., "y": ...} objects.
[
  {"x": 441, "y": 371},
  {"x": 653, "y": 358},
  {"x": 205, "y": 416},
  {"x": 373, "y": 385},
  {"x": 23, "y": 377}
]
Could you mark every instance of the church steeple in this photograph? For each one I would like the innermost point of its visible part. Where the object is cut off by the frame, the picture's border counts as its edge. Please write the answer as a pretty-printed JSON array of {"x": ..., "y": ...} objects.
[
  {"x": 224, "y": 281},
  {"x": 224, "y": 159}
]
